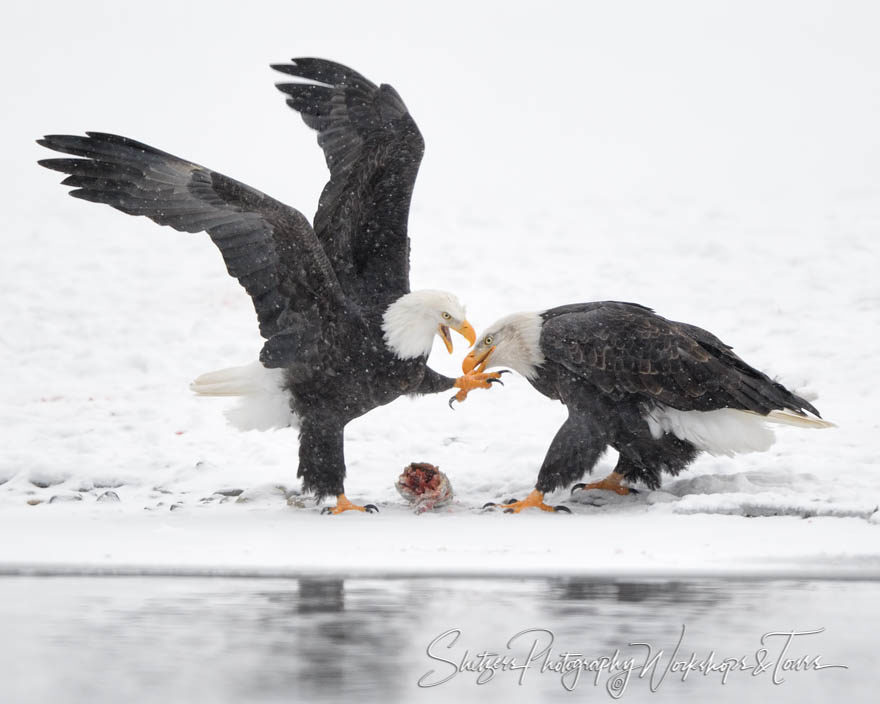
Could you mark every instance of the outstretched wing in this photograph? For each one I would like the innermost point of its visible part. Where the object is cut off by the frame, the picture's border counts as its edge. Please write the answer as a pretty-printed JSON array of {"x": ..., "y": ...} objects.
[
  {"x": 373, "y": 150},
  {"x": 626, "y": 349},
  {"x": 269, "y": 247}
]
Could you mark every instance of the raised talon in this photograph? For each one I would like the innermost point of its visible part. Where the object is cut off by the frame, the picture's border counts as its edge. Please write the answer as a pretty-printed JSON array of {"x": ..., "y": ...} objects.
[
  {"x": 474, "y": 380},
  {"x": 371, "y": 508}
]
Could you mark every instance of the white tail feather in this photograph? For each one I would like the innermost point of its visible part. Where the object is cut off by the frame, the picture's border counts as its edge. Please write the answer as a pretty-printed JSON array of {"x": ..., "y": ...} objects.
[
  {"x": 726, "y": 431},
  {"x": 790, "y": 418},
  {"x": 721, "y": 432},
  {"x": 264, "y": 403}
]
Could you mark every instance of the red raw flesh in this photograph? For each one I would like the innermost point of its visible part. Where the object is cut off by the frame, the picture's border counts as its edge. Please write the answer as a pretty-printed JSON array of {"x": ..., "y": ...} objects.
[{"x": 421, "y": 477}]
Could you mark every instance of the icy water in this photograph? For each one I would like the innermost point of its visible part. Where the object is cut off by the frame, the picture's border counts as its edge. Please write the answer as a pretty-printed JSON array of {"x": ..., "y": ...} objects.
[{"x": 216, "y": 639}]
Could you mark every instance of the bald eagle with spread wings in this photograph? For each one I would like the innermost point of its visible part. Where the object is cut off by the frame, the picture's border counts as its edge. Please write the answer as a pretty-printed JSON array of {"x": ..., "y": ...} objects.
[
  {"x": 343, "y": 332},
  {"x": 657, "y": 391}
]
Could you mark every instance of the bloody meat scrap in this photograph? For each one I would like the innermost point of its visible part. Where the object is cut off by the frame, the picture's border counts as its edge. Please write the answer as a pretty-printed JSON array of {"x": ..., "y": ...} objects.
[{"x": 424, "y": 486}]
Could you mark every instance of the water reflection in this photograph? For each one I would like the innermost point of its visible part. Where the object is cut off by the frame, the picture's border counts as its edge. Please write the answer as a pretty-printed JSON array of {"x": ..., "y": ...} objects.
[
  {"x": 318, "y": 596},
  {"x": 287, "y": 640}
]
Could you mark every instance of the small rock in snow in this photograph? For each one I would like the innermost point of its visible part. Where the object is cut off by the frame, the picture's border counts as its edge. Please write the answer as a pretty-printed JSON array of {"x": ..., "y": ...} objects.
[
  {"x": 296, "y": 501},
  {"x": 109, "y": 496},
  {"x": 106, "y": 483},
  {"x": 229, "y": 492},
  {"x": 44, "y": 481},
  {"x": 263, "y": 492},
  {"x": 60, "y": 498}
]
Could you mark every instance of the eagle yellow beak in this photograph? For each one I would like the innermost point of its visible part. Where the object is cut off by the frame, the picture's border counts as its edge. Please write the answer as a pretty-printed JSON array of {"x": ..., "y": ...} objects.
[
  {"x": 466, "y": 330},
  {"x": 477, "y": 362}
]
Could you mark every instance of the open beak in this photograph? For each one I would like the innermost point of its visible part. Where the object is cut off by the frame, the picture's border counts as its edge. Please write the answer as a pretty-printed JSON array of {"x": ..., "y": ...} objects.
[
  {"x": 465, "y": 330},
  {"x": 477, "y": 362}
]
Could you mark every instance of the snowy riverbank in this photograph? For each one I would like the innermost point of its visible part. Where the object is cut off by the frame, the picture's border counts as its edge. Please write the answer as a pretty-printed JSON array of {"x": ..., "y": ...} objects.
[{"x": 759, "y": 224}]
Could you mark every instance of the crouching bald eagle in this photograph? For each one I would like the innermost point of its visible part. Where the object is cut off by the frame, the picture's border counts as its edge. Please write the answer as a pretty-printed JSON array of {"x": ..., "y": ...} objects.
[
  {"x": 657, "y": 391},
  {"x": 343, "y": 332}
]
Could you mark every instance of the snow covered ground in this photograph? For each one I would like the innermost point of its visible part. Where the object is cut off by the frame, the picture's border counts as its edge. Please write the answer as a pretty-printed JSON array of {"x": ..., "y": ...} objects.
[{"x": 724, "y": 171}]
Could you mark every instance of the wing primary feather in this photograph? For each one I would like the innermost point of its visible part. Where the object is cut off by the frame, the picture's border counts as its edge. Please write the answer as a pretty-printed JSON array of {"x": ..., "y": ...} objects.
[
  {"x": 372, "y": 148},
  {"x": 268, "y": 246},
  {"x": 323, "y": 71}
]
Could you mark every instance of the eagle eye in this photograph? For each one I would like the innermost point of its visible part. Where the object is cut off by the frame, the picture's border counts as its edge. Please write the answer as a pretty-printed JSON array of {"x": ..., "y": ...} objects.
[
  {"x": 446, "y": 316},
  {"x": 488, "y": 340}
]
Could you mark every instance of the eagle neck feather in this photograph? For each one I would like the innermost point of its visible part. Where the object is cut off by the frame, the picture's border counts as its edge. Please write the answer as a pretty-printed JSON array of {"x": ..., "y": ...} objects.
[
  {"x": 523, "y": 354},
  {"x": 409, "y": 327}
]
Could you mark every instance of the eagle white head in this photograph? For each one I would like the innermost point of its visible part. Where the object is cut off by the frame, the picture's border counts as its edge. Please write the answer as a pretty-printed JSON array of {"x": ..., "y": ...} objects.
[
  {"x": 513, "y": 341},
  {"x": 412, "y": 321}
]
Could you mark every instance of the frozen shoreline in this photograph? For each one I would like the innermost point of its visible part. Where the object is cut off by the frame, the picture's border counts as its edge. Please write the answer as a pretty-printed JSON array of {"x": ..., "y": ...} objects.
[{"x": 289, "y": 542}]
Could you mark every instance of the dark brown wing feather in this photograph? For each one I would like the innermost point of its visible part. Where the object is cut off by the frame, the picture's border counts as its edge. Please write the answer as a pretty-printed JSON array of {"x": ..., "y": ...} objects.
[
  {"x": 269, "y": 247},
  {"x": 624, "y": 349},
  {"x": 373, "y": 149}
]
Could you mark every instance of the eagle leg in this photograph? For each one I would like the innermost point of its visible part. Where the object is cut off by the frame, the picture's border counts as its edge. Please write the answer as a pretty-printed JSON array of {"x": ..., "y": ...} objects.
[
  {"x": 610, "y": 483},
  {"x": 533, "y": 500},
  {"x": 343, "y": 504}
]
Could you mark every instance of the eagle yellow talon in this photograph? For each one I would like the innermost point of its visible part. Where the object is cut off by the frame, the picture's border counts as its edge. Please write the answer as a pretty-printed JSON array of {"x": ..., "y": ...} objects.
[
  {"x": 533, "y": 500},
  {"x": 468, "y": 382},
  {"x": 343, "y": 504},
  {"x": 610, "y": 483}
]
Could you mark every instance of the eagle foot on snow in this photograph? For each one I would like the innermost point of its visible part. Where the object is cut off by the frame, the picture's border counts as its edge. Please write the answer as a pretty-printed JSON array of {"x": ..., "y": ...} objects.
[
  {"x": 533, "y": 500},
  {"x": 610, "y": 483},
  {"x": 343, "y": 504}
]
